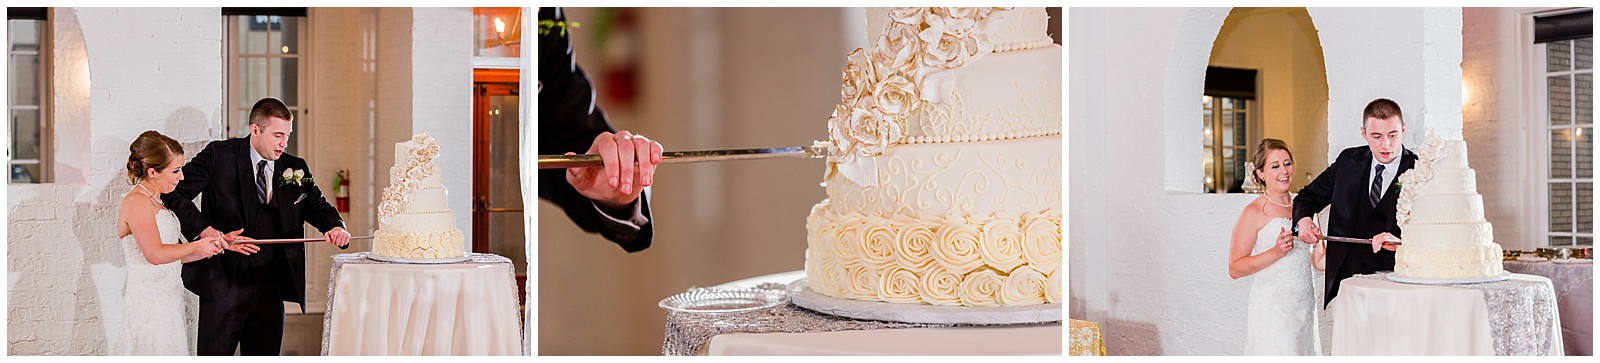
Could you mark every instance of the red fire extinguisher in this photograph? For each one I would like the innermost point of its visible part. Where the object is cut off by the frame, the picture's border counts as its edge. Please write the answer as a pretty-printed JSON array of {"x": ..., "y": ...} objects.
[{"x": 341, "y": 192}]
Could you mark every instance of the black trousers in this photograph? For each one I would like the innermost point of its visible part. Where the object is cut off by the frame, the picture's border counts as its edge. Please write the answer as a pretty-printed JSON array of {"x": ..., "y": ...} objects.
[{"x": 249, "y": 317}]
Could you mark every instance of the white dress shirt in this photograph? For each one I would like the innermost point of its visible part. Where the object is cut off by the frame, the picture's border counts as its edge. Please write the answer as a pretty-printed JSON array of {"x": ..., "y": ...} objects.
[{"x": 1390, "y": 169}]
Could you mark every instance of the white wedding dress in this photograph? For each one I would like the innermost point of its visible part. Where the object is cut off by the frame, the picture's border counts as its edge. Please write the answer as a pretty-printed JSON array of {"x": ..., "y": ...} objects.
[
  {"x": 1282, "y": 315},
  {"x": 153, "y": 298}
]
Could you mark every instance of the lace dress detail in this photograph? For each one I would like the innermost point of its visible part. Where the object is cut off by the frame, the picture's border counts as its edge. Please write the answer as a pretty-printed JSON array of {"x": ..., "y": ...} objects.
[
  {"x": 1282, "y": 316},
  {"x": 153, "y": 298}
]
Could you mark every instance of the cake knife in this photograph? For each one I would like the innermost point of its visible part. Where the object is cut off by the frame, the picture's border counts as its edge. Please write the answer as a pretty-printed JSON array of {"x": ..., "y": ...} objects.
[
  {"x": 290, "y": 240},
  {"x": 673, "y": 157},
  {"x": 1355, "y": 240}
]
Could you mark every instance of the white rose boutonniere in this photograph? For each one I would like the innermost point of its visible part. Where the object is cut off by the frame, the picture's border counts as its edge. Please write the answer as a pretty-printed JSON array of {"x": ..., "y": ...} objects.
[{"x": 296, "y": 177}]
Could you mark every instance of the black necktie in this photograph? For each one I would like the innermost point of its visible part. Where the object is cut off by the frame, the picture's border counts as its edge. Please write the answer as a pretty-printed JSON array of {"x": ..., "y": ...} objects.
[
  {"x": 261, "y": 181},
  {"x": 1377, "y": 186}
]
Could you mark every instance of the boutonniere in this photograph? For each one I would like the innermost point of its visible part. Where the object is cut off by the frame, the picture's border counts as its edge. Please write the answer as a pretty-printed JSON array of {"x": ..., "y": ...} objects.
[{"x": 294, "y": 177}]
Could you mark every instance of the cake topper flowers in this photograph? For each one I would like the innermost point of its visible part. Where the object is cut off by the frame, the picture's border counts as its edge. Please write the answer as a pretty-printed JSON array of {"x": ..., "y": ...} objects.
[{"x": 911, "y": 63}]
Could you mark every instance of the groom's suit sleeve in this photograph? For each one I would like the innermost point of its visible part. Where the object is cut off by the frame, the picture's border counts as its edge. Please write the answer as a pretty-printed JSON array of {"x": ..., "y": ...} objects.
[
  {"x": 196, "y": 177},
  {"x": 316, "y": 210},
  {"x": 569, "y": 120},
  {"x": 1318, "y": 193}
]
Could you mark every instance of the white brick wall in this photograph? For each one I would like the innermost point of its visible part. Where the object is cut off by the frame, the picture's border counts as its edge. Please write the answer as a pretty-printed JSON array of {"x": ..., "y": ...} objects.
[
  {"x": 441, "y": 45},
  {"x": 1149, "y": 262},
  {"x": 64, "y": 264},
  {"x": 1497, "y": 125}
]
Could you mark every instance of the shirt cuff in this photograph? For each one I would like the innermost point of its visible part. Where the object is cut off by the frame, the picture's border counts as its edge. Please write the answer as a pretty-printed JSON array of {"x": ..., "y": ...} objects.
[{"x": 636, "y": 220}]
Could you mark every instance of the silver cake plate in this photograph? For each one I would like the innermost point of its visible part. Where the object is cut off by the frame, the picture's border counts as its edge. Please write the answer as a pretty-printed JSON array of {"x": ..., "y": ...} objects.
[
  {"x": 1426, "y": 281},
  {"x": 802, "y": 296},
  {"x": 374, "y": 257}
]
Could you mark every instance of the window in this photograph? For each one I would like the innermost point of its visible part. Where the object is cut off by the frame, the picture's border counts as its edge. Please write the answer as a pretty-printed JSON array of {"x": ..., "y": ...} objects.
[
  {"x": 264, "y": 58},
  {"x": 1569, "y": 122},
  {"x": 1227, "y": 127},
  {"x": 27, "y": 75}
]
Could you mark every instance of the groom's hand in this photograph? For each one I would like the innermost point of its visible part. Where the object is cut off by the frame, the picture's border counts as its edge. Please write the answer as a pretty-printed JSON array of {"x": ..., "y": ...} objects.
[
  {"x": 338, "y": 236},
  {"x": 1378, "y": 242},
  {"x": 240, "y": 244},
  {"x": 1309, "y": 233}
]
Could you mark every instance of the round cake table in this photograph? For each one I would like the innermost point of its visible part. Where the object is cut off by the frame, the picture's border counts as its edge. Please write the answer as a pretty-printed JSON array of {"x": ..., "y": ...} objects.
[
  {"x": 382, "y": 308},
  {"x": 790, "y": 330},
  {"x": 1375, "y": 316},
  {"x": 1574, "y": 284}
]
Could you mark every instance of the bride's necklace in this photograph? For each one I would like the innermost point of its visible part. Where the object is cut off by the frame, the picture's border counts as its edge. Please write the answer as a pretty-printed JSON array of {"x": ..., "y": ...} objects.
[
  {"x": 150, "y": 195},
  {"x": 1274, "y": 202}
]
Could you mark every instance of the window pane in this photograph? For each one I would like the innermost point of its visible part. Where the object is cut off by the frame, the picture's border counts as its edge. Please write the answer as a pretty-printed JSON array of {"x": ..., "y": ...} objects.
[
  {"x": 1585, "y": 99},
  {"x": 24, "y": 34},
  {"x": 285, "y": 80},
  {"x": 1227, "y": 103},
  {"x": 1560, "y": 241},
  {"x": 1240, "y": 122},
  {"x": 1584, "y": 162},
  {"x": 294, "y": 136},
  {"x": 1585, "y": 53},
  {"x": 1585, "y": 241},
  {"x": 1227, "y": 127},
  {"x": 1561, "y": 153},
  {"x": 1560, "y": 92},
  {"x": 287, "y": 41},
  {"x": 1205, "y": 101},
  {"x": 252, "y": 81},
  {"x": 25, "y": 173},
  {"x": 1208, "y": 127},
  {"x": 1561, "y": 207},
  {"x": 1211, "y": 170},
  {"x": 1233, "y": 170},
  {"x": 24, "y": 79},
  {"x": 253, "y": 34},
  {"x": 1585, "y": 207},
  {"x": 1558, "y": 56},
  {"x": 25, "y": 134}
]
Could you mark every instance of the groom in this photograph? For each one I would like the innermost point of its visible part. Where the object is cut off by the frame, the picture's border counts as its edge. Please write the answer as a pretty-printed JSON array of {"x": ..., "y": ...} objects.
[
  {"x": 243, "y": 189},
  {"x": 1360, "y": 185}
]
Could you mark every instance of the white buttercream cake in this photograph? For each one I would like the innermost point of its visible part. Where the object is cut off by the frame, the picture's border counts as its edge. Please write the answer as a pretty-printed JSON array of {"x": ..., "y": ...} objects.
[
  {"x": 414, "y": 220},
  {"x": 1440, "y": 214},
  {"x": 944, "y": 174}
]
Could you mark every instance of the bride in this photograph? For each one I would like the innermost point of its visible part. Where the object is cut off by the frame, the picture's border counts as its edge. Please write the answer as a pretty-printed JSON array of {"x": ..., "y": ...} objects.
[
  {"x": 151, "y": 239},
  {"x": 1281, "y": 316}
]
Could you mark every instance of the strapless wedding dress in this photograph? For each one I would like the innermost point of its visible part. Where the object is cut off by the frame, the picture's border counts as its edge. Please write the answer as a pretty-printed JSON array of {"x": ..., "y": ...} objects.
[
  {"x": 153, "y": 298},
  {"x": 1282, "y": 316}
]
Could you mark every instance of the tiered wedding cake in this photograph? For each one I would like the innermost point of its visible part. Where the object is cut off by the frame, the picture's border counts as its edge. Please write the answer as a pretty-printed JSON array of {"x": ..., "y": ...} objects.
[
  {"x": 413, "y": 220},
  {"x": 944, "y": 174},
  {"x": 1441, "y": 217}
]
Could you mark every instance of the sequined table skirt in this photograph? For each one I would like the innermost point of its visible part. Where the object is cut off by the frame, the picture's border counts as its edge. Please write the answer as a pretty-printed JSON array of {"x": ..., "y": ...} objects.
[
  {"x": 382, "y": 308},
  {"x": 1086, "y": 338},
  {"x": 1574, "y": 284},
  {"x": 1375, "y": 316},
  {"x": 791, "y": 330}
]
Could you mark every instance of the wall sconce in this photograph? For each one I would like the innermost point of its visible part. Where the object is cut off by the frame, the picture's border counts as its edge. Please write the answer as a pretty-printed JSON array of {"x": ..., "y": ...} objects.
[{"x": 515, "y": 37}]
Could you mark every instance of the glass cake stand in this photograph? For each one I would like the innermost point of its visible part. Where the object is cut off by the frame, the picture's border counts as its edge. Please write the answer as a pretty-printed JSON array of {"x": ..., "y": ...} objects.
[
  {"x": 374, "y": 257},
  {"x": 1426, "y": 281},
  {"x": 802, "y": 296}
]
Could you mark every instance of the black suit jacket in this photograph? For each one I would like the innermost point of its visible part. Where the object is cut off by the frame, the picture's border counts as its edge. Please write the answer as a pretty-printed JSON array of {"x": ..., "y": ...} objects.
[
  {"x": 1345, "y": 185},
  {"x": 569, "y": 120},
  {"x": 221, "y": 174}
]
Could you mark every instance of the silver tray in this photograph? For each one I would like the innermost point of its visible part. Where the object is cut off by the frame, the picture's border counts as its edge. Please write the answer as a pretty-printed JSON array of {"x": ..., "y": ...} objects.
[
  {"x": 707, "y": 301},
  {"x": 802, "y": 296},
  {"x": 373, "y": 257},
  {"x": 1425, "y": 281}
]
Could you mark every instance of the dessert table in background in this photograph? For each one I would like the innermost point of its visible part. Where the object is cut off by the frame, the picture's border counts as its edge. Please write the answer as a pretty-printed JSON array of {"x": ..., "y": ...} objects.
[
  {"x": 1086, "y": 338},
  {"x": 791, "y": 330},
  {"x": 1574, "y": 285},
  {"x": 1375, "y": 316},
  {"x": 382, "y": 308}
]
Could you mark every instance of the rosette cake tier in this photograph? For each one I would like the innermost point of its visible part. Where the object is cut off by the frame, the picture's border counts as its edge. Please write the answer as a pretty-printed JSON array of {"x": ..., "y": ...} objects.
[
  {"x": 414, "y": 220},
  {"x": 1441, "y": 216},
  {"x": 944, "y": 173}
]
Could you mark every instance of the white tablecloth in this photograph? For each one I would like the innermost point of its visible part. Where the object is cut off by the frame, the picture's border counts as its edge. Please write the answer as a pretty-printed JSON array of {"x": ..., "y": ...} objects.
[
  {"x": 422, "y": 309},
  {"x": 1042, "y": 339},
  {"x": 1380, "y": 317}
]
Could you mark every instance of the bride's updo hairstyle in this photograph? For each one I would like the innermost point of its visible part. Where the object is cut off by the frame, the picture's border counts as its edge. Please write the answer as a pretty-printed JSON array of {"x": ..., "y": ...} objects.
[
  {"x": 1259, "y": 161},
  {"x": 151, "y": 150}
]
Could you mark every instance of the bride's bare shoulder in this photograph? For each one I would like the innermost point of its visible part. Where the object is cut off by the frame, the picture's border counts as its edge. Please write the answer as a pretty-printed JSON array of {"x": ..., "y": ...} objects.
[{"x": 1251, "y": 216}]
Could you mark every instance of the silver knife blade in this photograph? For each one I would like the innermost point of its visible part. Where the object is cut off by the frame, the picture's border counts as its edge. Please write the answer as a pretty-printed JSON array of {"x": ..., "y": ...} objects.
[
  {"x": 1355, "y": 240},
  {"x": 290, "y": 240},
  {"x": 673, "y": 157}
]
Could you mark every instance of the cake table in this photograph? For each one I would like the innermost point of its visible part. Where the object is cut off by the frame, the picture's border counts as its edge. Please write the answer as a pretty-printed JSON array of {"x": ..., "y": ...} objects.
[
  {"x": 1374, "y": 316},
  {"x": 790, "y": 330},
  {"x": 1574, "y": 285},
  {"x": 382, "y": 308}
]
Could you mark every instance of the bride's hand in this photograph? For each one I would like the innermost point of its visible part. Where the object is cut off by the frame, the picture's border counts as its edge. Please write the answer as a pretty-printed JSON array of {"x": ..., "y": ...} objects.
[
  {"x": 239, "y": 245},
  {"x": 1285, "y": 242},
  {"x": 206, "y": 247}
]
